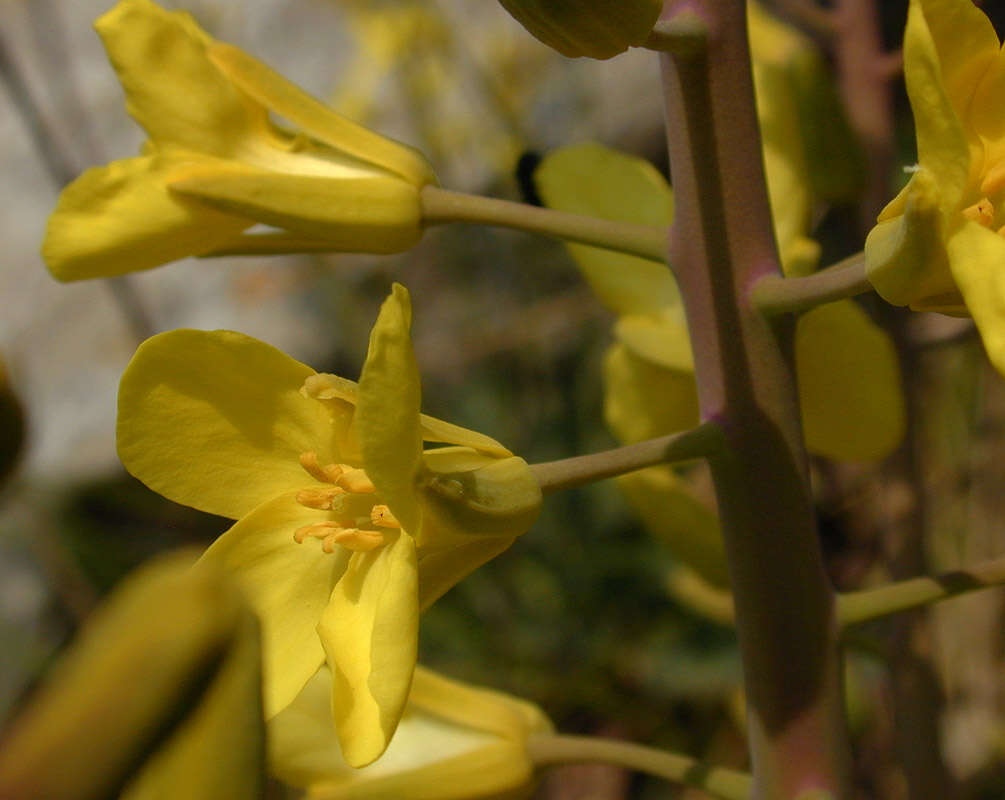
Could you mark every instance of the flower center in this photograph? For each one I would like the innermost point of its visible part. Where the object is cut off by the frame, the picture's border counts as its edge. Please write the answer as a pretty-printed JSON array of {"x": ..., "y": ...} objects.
[{"x": 349, "y": 493}]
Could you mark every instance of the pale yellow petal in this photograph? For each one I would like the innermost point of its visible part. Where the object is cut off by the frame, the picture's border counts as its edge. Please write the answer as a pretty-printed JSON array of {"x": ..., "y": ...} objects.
[
  {"x": 274, "y": 92},
  {"x": 436, "y": 430},
  {"x": 661, "y": 339},
  {"x": 977, "y": 257},
  {"x": 370, "y": 635},
  {"x": 215, "y": 420},
  {"x": 942, "y": 143},
  {"x": 172, "y": 88},
  {"x": 356, "y": 214},
  {"x": 595, "y": 180},
  {"x": 676, "y": 517},
  {"x": 289, "y": 586},
  {"x": 122, "y": 218},
  {"x": 643, "y": 399},
  {"x": 387, "y": 415},
  {"x": 849, "y": 384}
]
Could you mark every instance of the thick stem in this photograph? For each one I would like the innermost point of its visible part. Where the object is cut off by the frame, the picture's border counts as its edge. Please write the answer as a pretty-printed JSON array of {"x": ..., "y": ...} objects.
[
  {"x": 441, "y": 206},
  {"x": 719, "y": 782},
  {"x": 721, "y": 244},
  {"x": 567, "y": 473}
]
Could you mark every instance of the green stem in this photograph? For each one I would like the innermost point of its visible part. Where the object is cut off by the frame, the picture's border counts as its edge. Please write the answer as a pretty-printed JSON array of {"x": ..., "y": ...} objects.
[
  {"x": 719, "y": 782},
  {"x": 773, "y": 294},
  {"x": 440, "y": 206},
  {"x": 553, "y": 476},
  {"x": 868, "y": 604}
]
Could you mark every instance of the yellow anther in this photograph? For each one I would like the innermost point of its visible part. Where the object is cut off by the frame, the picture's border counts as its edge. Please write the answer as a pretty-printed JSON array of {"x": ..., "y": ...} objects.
[
  {"x": 982, "y": 212},
  {"x": 321, "y": 497},
  {"x": 994, "y": 180},
  {"x": 355, "y": 480},
  {"x": 382, "y": 517},
  {"x": 319, "y": 530},
  {"x": 359, "y": 541},
  {"x": 327, "y": 474}
]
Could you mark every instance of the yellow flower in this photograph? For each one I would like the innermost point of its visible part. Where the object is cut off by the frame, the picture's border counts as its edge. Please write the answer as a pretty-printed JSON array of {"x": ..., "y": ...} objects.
[
  {"x": 216, "y": 163},
  {"x": 167, "y": 671},
  {"x": 938, "y": 246},
  {"x": 347, "y": 529},
  {"x": 455, "y": 742}
]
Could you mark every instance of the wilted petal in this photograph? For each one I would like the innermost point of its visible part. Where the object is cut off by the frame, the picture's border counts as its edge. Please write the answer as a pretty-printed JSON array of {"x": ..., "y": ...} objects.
[
  {"x": 370, "y": 635},
  {"x": 215, "y": 420}
]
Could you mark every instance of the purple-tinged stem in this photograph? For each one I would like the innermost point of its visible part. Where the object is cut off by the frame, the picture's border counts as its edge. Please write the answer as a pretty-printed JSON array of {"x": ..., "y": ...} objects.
[{"x": 721, "y": 243}]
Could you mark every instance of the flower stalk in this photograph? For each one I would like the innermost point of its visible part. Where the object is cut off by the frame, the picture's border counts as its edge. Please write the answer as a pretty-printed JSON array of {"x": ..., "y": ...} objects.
[
  {"x": 721, "y": 243},
  {"x": 441, "y": 206},
  {"x": 773, "y": 294}
]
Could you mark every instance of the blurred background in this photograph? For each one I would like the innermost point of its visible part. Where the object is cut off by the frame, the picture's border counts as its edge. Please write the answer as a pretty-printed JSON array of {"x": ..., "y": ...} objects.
[{"x": 580, "y": 615}]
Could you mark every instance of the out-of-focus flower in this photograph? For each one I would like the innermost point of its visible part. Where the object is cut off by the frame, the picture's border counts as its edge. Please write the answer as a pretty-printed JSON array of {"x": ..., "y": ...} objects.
[
  {"x": 848, "y": 377},
  {"x": 216, "y": 163},
  {"x": 347, "y": 529},
  {"x": 159, "y": 697},
  {"x": 939, "y": 245},
  {"x": 11, "y": 426},
  {"x": 595, "y": 28},
  {"x": 455, "y": 742}
]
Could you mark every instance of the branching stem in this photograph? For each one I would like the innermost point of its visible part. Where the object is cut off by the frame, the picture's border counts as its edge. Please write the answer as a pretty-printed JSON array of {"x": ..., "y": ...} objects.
[
  {"x": 440, "y": 206},
  {"x": 725, "y": 784},
  {"x": 773, "y": 294}
]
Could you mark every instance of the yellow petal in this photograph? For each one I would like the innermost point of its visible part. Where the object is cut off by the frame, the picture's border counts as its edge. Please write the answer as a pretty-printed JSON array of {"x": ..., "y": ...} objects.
[
  {"x": 289, "y": 586},
  {"x": 942, "y": 143},
  {"x": 965, "y": 41},
  {"x": 592, "y": 179},
  {"x": 643, "y": 400},
  {"x": 122, "y": 218},
  {"x": 688, "y": 528},
  {"x": 659, "y": 339},
  {"x": 387, "y": 416},
  {"x": 436, "y": 430},
  {"x": 370, "y": 635},
  {"x": 849, "y": 384},
  {"x": 274, "y": 92},
  {"x": 441, "y": 570},
  {"x": 905, "y": 256},
  {"x": 371, "y": 215},
  {"x": 976, "y": 256},
  {"x": 172, "y": 89},
  {"x": 215, "y": 420}
]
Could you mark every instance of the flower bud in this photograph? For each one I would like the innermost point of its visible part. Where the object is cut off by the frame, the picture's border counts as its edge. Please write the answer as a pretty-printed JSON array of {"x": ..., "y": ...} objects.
[
  {"x": 594, "y": 28},
  {"x": 159, "y": 697}
]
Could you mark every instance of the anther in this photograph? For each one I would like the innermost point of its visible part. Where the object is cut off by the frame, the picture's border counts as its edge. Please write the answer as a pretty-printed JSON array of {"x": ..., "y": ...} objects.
[
  {"x": 982, "y": 212},
  {"x": 355, "y": 539},
  {"x": 321, "y": 497},
  {"x": 327, "y": 474},
  {"x": 355, "y": 480},
  {"x": 382, "y": 517},
  {"x": 319, "y": 530}
]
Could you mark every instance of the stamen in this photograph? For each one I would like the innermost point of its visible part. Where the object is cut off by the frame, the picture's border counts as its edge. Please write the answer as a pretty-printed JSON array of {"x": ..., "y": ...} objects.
[
  {"x": 359, "y": 541},
  {"x": 327, "y": 474},
  {"x": 318, "y": 530},
  {"x": 321, "y": 497},
  {"x": 982, "y": 212},
  {"x": 382, "y": 517},
  {"x": 355, "y": 480}
]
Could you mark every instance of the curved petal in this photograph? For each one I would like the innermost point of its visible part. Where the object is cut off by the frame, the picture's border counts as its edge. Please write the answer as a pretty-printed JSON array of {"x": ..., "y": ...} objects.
[
  {"x": 643, "y": 400},
  {"x": 592, "y": 179},
  {"x": 289, "y": 586},
  {"x": 360, "y": 215},
  {"x": 942, "y": 143},
  {"x": 387, "y": 414},
  {"x": 966, "y": 43},
  {"x": 172, "y": 88},
  {"x": 659, "y": 339},
  {"x": 274, "y": 92},
  {"x": 849, "y": 384},
  {"x": 122, "y": 218},
  {"x": 370, "y": 633},
  {"x": 436, "y": 430},
  {"x": 215, "y": 420},
  {"x": 976, "y": 256}
]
